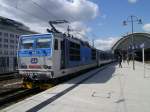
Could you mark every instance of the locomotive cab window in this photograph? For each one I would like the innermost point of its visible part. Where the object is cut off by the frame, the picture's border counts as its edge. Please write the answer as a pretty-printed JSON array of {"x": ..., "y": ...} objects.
[
  {"x": 43, "y": 43},
  {"x": 27, "y": 43}
]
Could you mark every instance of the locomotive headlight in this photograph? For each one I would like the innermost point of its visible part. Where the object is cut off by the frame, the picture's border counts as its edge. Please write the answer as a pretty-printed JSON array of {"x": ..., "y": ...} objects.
[
  {"x": 49, "y": 67},
  {"x": 46, "y": 67}
]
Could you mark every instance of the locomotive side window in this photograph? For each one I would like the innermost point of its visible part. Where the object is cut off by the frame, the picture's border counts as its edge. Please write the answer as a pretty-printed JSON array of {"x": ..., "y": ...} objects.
[
  {"x": 56, "y": 44},
  {"x": 74, "y": 51},
  {"x": 93, "y": 54},
  {"x": 63, "y": 58},
  {"x": 62, "y": 44}
]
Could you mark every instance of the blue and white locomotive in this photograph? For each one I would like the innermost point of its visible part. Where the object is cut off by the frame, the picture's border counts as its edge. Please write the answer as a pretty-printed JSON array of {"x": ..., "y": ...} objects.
[
  {"x": 48, "y": 57},
  {"x": 43, "y": 57}
]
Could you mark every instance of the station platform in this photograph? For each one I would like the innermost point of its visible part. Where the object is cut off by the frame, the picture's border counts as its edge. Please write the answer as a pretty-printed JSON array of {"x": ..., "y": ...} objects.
[{"x": 105, "y": 89}]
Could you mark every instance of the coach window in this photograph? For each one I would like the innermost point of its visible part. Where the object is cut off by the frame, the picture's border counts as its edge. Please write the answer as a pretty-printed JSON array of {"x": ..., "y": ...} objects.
[{"x": 56, "y": 44}]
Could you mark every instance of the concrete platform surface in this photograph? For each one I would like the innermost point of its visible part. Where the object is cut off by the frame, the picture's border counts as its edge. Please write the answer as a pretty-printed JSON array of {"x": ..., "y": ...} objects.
[{"x": 112, "y": 89}]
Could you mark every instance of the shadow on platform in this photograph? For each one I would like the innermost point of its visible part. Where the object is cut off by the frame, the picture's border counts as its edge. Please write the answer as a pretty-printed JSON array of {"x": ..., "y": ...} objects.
[{"x": 102, "y": 76}]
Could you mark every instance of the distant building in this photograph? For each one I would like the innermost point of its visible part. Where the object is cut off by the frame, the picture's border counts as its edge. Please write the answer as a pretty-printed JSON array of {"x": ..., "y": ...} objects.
[
  {"x": 125, "y": 46},
  {"x": 10, "y": 31}
]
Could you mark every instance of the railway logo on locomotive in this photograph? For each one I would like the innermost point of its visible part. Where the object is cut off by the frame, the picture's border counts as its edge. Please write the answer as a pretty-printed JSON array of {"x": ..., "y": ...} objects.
[{"x": 34, "y": 60}]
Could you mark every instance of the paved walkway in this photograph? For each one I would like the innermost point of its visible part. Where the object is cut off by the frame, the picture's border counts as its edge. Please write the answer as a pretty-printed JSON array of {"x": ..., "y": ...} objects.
[{"x": 113, "y": 89}]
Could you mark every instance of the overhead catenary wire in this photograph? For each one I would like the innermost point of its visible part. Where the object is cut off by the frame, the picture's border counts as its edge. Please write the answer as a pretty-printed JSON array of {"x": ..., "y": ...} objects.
[
  {"x": 37, "y": 17},
  {"x": 44, "y": 9},
  {"x": 47, "y": 12},
  {"x": 72, "y": 18},
  {"x": 24, "y": 11},
  {"x": 31, "y": 14}
]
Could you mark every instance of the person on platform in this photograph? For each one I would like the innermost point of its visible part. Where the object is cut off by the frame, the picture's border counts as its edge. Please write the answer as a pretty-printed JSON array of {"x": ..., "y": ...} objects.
[
  {"x": 128, "y": 60},
  {"x": 120, "y": 61}
]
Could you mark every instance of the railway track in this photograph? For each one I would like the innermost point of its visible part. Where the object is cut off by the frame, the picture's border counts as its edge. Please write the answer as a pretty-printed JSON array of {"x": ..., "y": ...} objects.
[
  {"x": 9, "y": 76},
  {"x": 3, "y": 94},
  {"x": 14, "y": 95}
]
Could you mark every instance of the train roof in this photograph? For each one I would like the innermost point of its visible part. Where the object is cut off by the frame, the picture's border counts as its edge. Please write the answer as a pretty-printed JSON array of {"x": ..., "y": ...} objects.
[
  {"x": 36, "y": 34},
  {"x": 71, "y": 38}
]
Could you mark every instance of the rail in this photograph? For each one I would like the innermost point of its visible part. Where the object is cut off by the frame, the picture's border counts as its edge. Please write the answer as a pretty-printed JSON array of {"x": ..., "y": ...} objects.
[
  {"x": 17, "y": 94},
  {"x": 9, "y": 76}
]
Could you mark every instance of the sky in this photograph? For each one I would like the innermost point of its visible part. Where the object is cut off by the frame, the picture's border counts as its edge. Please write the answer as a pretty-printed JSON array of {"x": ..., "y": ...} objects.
[{"x": 98, "y": 20}]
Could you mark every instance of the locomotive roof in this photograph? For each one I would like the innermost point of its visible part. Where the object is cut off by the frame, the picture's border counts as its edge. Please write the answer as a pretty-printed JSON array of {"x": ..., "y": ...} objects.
[
  {"x": 38, "y": 34},
  {"x": 71, "y": 38}
]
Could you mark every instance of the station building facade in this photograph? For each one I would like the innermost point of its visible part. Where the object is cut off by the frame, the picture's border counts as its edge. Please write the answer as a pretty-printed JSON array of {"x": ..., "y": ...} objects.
[
  {"x": 10, "y": 31},
  {"x": 126, "y": 45}
]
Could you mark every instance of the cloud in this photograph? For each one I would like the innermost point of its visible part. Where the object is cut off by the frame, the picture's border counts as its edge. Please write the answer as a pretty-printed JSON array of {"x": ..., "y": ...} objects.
[
  {"x": 132, "y": 1},
  {"x": 146, "y": 27},
  {"x": 105, "y": 44},
  {"x": 80, "y": 30},
  {"x": 37, "y": 13}
]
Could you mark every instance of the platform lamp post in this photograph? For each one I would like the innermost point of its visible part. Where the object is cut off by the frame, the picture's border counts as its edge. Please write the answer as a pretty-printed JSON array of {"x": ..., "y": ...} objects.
[{"x": 131, "y": 19}]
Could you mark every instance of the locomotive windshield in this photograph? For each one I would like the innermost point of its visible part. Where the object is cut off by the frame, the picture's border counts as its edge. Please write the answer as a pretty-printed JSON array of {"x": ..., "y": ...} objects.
[
  {"x": 43, "y": 43},
  {"x": 27, "y": 44},
  {"x": 36, "y": 42}
]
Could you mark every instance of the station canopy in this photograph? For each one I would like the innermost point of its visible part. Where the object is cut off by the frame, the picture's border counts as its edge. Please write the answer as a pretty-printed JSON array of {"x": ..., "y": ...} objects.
[{"x": 125, "y": 43}]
